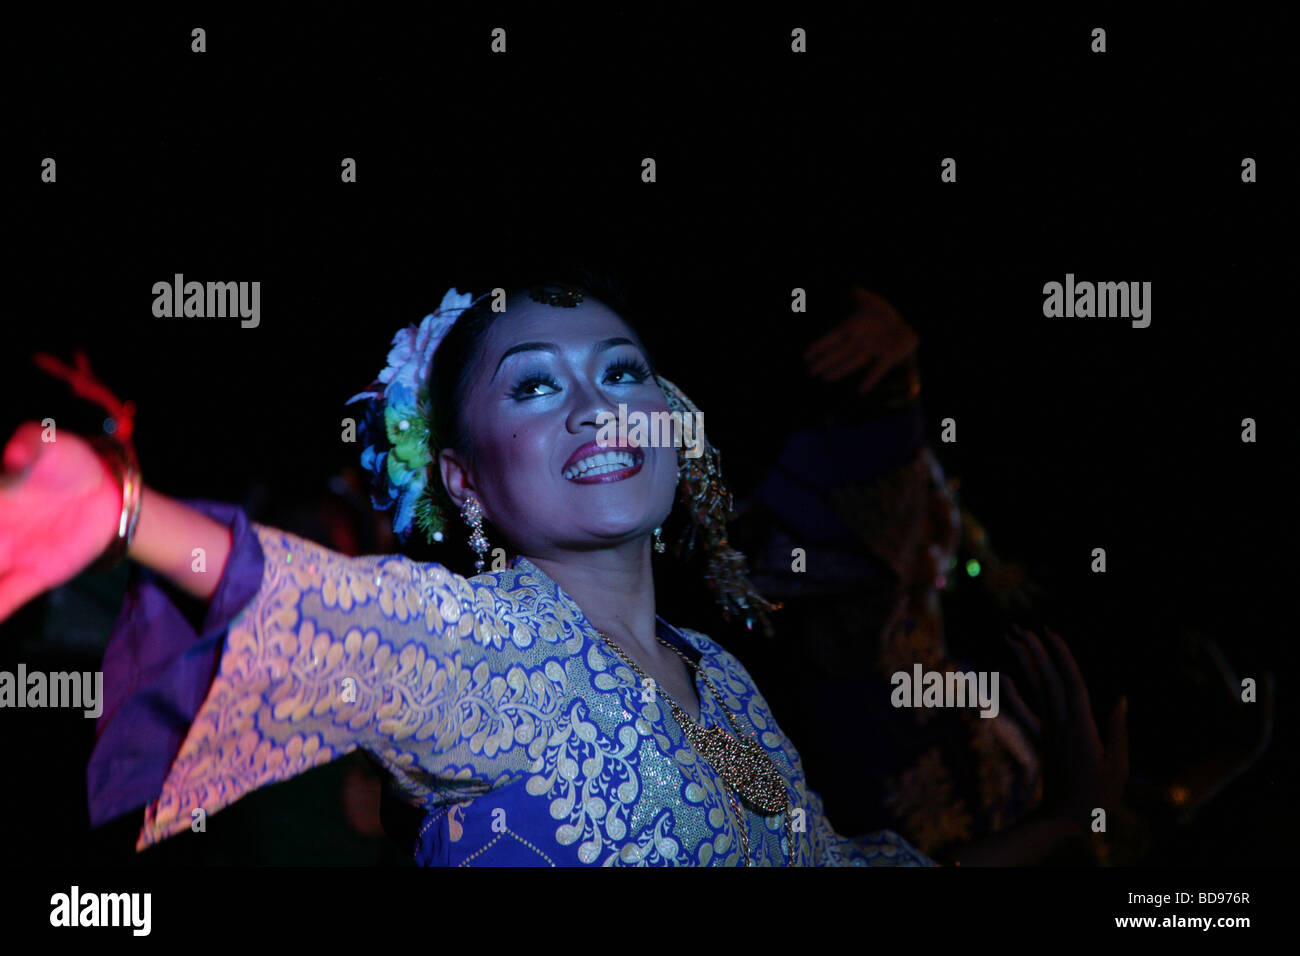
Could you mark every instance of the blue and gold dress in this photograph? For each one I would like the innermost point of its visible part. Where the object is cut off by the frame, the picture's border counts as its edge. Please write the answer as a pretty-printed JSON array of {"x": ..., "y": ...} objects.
[{"x": 492, "y": 701}]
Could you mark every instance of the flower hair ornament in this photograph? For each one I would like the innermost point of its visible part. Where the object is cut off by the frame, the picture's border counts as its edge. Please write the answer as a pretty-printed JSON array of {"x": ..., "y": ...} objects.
[
  {"x": 394, "y": 433},
  {"x": 394, "y": 430}
]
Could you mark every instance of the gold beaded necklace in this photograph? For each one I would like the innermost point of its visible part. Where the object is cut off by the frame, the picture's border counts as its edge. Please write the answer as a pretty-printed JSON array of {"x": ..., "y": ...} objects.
[{"x": 740, "y": 761}]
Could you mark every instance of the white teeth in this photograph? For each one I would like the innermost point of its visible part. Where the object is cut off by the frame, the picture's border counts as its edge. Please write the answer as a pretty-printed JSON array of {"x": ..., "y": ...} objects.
[{"x": 601, "y": 464}]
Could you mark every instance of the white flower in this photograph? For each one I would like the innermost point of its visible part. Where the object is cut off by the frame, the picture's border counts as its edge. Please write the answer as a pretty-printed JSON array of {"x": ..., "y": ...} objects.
[{"x": 413, "y": 347}]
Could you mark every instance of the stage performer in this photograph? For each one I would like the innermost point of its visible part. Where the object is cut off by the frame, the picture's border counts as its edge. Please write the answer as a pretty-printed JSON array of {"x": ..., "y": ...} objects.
[{"x": 539, "y": 712}]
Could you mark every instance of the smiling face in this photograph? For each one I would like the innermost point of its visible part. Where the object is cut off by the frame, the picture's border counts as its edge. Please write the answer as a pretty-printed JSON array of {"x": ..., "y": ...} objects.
[{"x": 542, "y": 376}]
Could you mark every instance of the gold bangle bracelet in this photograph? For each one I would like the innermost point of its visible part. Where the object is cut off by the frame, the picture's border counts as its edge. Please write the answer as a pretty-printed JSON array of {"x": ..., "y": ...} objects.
[{"x": 120, "y": 458}]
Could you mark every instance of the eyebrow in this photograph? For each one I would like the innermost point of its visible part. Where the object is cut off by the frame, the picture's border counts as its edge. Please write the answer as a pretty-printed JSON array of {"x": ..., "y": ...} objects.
[{"x": 600, "y": 346}]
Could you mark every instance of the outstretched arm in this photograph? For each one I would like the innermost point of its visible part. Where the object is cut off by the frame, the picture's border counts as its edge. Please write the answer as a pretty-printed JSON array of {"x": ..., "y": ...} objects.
[
  {"x": 170, "y": 537},
  {"x": 326, "y": 654},
  {"x": 59, "y": 509},
  {"x": 334, "y": 654},
  {"x": 158, "y": 666}
]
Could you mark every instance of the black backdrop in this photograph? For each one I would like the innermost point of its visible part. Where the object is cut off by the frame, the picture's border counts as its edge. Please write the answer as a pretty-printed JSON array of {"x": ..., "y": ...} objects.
[{"x": 774, "y": 170}]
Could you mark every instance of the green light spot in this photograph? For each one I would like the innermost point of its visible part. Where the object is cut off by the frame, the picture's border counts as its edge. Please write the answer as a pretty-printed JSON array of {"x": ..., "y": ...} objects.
[{"x": 973, "y": 568}]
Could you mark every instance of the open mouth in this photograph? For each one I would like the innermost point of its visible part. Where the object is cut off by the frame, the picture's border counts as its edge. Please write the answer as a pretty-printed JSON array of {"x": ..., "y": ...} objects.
[{"x": 612, "y": 464}]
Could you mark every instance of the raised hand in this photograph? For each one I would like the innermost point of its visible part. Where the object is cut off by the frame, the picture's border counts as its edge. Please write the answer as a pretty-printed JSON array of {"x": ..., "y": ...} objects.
[
  {"x": 1082, "y": 771},
  {"x": 59, "y": 510},
  {"x": 873, "y": 340}
]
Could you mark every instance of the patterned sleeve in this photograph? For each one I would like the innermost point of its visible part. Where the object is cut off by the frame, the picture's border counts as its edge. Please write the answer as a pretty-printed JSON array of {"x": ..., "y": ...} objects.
[
  {"x": 879, "y": 848},
  {"x": 332, "y": 654},
  {"x": 158, "y": 666}
]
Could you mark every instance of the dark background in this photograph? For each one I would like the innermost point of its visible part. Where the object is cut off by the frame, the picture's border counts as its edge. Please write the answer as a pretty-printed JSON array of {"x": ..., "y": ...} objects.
[{"x": 774, "y": 171}]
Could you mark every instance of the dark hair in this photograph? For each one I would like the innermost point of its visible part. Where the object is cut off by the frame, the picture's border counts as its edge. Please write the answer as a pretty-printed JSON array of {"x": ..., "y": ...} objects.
[
  {"x": 454, "y": 362},
  {"x": 456, "y": 357}
]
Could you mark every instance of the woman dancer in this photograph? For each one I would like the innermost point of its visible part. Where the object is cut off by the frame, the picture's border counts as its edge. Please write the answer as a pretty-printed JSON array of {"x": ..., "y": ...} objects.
[{"x": 537, "y": 713}]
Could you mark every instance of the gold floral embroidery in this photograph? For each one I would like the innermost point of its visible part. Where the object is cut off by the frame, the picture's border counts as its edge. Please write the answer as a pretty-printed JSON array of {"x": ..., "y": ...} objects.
[
  {"x": 456, "y": 821},
  {"x": 464, "y": 686},
  {"x": 590, "y": 782},
  {"x": 300, "y": 684}
]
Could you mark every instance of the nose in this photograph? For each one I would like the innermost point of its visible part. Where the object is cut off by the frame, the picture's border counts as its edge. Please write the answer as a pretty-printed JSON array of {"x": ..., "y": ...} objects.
[{"x": 586, "y": 404}]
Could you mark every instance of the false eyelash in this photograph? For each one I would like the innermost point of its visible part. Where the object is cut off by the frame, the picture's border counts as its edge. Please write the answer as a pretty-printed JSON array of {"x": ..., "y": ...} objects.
[{"x": 635, "y": 366}]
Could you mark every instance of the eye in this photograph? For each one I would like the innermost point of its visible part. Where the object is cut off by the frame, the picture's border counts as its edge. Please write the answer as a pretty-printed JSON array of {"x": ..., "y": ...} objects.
[
  {"x": 528, "y": 386},
  {"x": 628, "y": 366},
  {"x": 525, "y": 388}
]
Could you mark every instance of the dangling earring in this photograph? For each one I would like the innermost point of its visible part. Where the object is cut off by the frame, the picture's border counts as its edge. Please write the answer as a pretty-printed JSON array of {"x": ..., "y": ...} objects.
[
  {"x": 708, "y": 504},
  {"x": 472, "y": 513},
  {"x": 659, "y": 541}
]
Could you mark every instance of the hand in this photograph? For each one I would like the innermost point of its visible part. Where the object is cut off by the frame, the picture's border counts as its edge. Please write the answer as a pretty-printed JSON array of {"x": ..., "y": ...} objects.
[
  {"x": 59, "y": 509},
  {"x": 874, "y": 338},
  {"x": 1080, "y": 773}
]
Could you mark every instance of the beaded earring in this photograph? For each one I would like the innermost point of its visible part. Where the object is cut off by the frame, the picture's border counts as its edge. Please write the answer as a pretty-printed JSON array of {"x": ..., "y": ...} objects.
[
  {"x": 472, "y": 513},
  {"x": 708, "y": 503}
]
